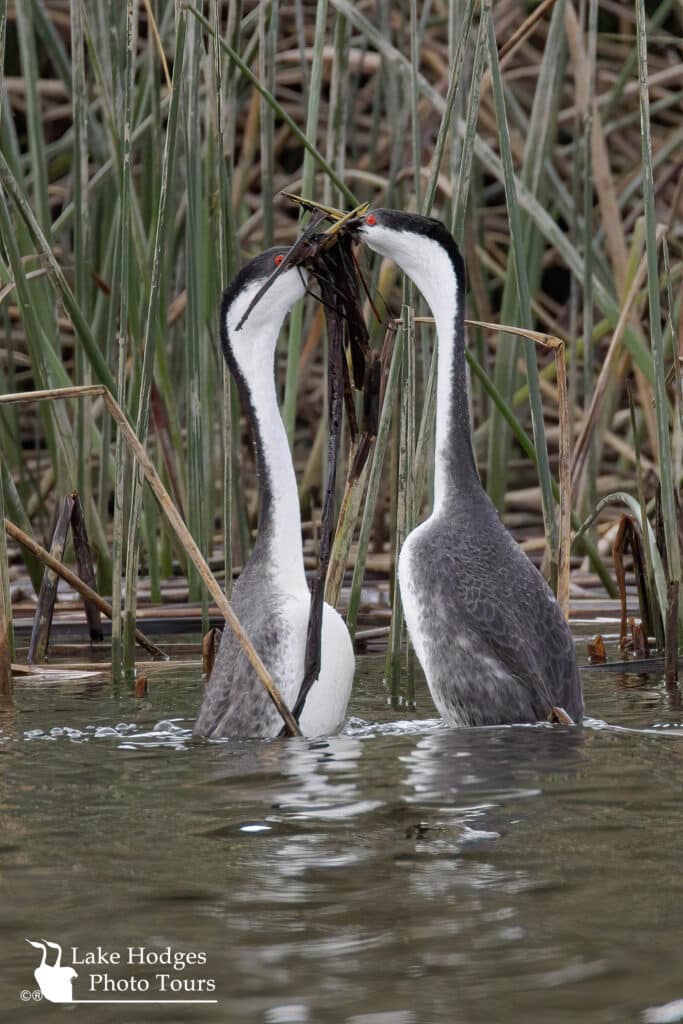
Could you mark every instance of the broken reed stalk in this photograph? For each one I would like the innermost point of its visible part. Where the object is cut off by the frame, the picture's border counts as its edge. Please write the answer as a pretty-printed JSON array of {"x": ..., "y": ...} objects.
[
  {"x": 86, "y": 570},
  {"x": 73, "y": 580},
  {"x": 71, "y": 515},
  {"x": 631, "y": 503},
  {"x": 176, "y": 523},
  {"x": 629, "y": 535},
  {"x": 210, "y": 644},
  {"x": 42, "y": 620}
]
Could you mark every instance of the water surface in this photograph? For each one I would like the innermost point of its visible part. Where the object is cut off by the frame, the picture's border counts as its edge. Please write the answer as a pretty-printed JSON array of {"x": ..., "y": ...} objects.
[{"x": 401, "y": 873}]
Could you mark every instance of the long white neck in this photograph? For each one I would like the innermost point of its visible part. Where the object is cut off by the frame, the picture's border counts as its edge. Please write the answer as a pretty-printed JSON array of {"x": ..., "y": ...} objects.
[
  {"x": 251, "y": 354},
  {"x": 279, "y": 513},
  {"x": 431, "y": 269},
  {"x": 444, "y": 315}
]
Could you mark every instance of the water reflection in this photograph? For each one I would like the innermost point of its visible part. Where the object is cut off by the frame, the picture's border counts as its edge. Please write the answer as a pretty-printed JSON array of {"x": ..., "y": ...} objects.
[
  {"x": 448, "y": 765},
  {"x": 399, "y": 873}
]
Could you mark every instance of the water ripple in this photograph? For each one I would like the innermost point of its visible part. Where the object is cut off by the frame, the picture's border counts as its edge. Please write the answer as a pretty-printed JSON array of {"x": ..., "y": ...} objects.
[{"x": 669, "y": 1013}]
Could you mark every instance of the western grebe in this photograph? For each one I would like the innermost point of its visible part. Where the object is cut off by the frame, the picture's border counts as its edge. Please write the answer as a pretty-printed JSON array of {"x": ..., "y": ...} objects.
[
  {"x": 271, "y": 597},
  {"x": 489, "y": 634}
]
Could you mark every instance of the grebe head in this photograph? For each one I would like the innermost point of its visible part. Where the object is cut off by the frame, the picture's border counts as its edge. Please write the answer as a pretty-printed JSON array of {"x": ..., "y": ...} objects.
[
  {"x": 422, "y": 247},
  {"x": 260, "y": 328}
]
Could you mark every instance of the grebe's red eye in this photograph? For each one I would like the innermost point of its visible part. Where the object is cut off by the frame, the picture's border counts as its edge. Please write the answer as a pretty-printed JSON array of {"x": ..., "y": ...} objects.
[
  {"x": 371, "y": 219},
  {"x": 278, "y": 260}
]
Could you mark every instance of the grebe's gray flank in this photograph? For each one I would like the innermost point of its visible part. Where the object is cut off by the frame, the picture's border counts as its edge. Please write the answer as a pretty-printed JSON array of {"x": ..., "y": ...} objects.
[
  {"x": 271, "y": 597},
  {"x": 489, "y": 634}
]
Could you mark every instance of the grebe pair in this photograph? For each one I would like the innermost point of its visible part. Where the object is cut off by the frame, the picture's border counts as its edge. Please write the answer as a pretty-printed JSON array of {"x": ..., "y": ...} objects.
[{"x": 488, "y": 632}]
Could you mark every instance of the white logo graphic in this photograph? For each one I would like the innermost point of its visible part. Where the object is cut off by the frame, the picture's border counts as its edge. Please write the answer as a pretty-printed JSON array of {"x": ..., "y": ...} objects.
[
  {"x": 138, "y": 974},
  {"x": 54, "y": 981}
]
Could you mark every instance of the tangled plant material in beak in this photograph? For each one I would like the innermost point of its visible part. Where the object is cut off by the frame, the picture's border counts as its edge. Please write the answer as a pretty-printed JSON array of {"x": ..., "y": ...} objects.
[
  {"x": 341, "y": 221},
  {"x": 310, "y": 244},
  {"x": 345, "y": 222}
]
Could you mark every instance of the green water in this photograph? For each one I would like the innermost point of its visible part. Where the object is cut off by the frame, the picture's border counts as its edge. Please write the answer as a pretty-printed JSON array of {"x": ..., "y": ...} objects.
[{"x": 401, "y": 873}]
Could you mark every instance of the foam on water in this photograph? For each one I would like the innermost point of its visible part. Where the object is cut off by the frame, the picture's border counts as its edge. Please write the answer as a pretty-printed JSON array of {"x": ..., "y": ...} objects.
[
  {"x": 171, "y": 733},
  {"x": 166, "y": 733}
]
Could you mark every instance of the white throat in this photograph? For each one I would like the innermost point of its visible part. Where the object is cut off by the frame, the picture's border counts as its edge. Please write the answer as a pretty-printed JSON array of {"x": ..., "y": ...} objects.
[
  {"x": 428, "y": 266},
  {"x": 253, "y": 347}
]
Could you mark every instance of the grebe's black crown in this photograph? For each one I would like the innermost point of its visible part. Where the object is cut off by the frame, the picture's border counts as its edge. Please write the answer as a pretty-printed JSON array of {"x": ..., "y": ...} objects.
[
  {"x": 257, "y": 269},
  {"x": 432, "y": 228}
]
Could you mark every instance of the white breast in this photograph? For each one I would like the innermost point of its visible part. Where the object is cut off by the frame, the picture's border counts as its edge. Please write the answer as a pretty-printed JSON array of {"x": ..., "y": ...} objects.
[
  {"x": 412, "y": 608},
  {"x": 325, "y": 708}
]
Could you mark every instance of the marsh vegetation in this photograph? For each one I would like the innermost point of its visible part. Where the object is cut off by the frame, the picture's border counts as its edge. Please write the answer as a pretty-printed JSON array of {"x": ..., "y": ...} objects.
[{"x": 143, "y": 149}]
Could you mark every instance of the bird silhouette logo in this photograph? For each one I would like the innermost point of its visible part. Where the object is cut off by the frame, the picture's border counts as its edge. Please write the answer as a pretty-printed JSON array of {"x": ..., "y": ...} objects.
[{"x": 54, "y": 981}]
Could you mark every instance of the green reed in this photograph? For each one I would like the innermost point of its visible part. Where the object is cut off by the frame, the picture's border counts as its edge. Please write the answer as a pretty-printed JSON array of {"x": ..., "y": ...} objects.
[{"x": 128, "y": 203}]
